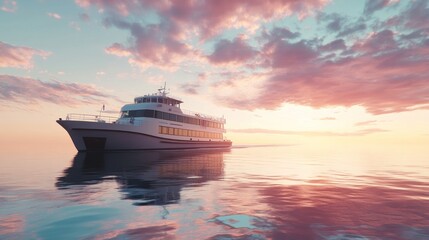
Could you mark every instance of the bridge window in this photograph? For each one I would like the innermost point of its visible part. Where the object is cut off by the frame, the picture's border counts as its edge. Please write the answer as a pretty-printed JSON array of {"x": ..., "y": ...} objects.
[{"x": 148, "y": 113}]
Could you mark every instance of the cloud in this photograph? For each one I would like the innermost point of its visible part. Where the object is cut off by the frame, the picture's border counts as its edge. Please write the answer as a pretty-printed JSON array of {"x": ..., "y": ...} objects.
[
  {"x": 18, "y": 57},
  {"x": 328, "y": 118},
  {"x": 341, "y": 25},
  {"x": 55, "y": 16},
  {"x": 278, "y": 33},
  {"x": 416, "y": 15},
  {"x": 75, "y": 26},
  {"x": 235, "y": 51},
  {"x": 122, "y": 7},
  {"x": 374, "y": 5},
  {"x": 335, "y": 45},
  {"x": 361, "y": 61},
  {"x": 211, "y": 16},
  {"x": 218, "y": 15},
  {"x": 310, "y": 133},
  {"x": 365, "y": 123},
  {"x": 84, "y": 17},
  {"x": 9, "y": 6},
  {"x": 382, "y": 71},
  {"x": 150, "y": 45},
  {"x": 190, "y": 88},
  {"x": 335, "y": 24},
  {"x": 118, "y": 50},
  {"x": 383, "y": 75},
  {"x": 24, "y": 90},
  {"x": 283, "y": 54},
  {"x": 380, "y": 41},
  {"x": 166, "y": 42},
  {"x": 351, "y": 29}
]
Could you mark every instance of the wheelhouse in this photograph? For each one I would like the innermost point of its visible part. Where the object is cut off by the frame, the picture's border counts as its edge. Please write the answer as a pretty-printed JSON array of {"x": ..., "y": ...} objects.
[{"x": 158, "y": 99}]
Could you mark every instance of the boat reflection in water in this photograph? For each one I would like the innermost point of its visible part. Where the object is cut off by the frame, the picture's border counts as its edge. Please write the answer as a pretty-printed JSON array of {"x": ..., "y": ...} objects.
[{"x": 147, "y": 177}]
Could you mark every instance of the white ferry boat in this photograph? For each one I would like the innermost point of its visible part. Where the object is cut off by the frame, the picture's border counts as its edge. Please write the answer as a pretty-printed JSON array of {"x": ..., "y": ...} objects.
[{"x": 153, "y": 121}]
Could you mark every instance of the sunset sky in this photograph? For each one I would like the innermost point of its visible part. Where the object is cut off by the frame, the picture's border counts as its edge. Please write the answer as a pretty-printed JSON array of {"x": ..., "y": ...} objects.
[{"x": 280, "y": 71}]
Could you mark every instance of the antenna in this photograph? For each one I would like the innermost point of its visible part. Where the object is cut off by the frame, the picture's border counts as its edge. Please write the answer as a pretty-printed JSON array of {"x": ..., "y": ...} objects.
[
  {"x": 102, "y": 109},
  {"x": 162, "y": 90}
]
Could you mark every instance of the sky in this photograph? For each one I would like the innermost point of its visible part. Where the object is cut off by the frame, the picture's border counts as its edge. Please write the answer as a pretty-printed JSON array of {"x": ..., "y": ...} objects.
[{"x": 280, "y": 71}]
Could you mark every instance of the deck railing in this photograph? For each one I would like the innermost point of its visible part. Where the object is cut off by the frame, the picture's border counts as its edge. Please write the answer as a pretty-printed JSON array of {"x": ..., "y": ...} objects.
[
  {"x": 91, "y": 118},
  {"x": 204, "y": 116},
  {"x": 111, "y": 119},
  {"x": 104, "y": 119}
]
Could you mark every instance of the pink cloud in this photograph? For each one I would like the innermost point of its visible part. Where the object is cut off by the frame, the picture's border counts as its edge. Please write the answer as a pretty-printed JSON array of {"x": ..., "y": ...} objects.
[
  {"x": 235, "y": 51},
  {"x": 24, "y": 90},
  {"x": 122, "y": 7},
  {"x": 9, "y": 6},
  {"x": 283, "y": 54},
  {"x": 190, "y": 88},
  {"x": 151, "y": 45},
  {"x": 383, "y": 76},
  {"x": 365, "y": 123},
  {"x": 118, "y": 50},
  {"x": 55, "y": 16},
  {"x": 212, "y": 16},
  {"x": 380, "y": 41},
  {"x": 164, "y": 43},
  {"x": 18, "y": 57},
  {"x": 370, "y": 64}
]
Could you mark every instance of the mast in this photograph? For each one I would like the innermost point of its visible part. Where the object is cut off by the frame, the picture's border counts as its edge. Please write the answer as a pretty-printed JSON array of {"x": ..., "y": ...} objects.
[{"x": 162, "y": 90}]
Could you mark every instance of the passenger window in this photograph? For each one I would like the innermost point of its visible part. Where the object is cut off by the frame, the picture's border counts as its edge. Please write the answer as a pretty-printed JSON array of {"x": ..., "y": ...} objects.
[
  {"x": 148, "y": 113},
  {"x": 165, "y": 116},
  {"x": 179, "y": 118},
  {"x": 158, "y": 114}
]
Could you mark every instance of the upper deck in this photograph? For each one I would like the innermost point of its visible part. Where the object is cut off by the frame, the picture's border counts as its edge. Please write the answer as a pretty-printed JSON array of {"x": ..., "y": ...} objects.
[
  {"x": 158, "y": 98},
  {"x": 161, "y": 102}
]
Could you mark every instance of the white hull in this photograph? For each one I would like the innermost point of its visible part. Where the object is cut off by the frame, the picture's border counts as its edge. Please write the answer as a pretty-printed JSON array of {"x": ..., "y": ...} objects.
[{"x": 107, "y": 136}]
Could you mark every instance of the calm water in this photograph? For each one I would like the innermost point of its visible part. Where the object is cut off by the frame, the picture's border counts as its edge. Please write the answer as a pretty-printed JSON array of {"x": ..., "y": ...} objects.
[{"x": 266, "y": 192}]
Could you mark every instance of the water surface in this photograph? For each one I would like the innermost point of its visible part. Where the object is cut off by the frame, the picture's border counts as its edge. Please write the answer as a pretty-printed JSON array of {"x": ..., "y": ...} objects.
[{"x": 268, "y": 192}]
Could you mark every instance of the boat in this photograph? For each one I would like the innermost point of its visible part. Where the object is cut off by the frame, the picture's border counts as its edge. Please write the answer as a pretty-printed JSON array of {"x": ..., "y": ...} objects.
[{"x": 153, "y": 121}]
